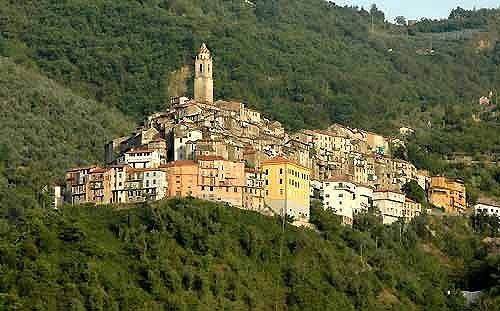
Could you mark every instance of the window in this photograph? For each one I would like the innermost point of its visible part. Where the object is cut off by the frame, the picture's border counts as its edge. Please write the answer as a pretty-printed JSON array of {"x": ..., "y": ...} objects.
[
  {"x": 154, "y": 174},
  {"x": 267, "y": 192},
  {"x": 202, "y": 188},
  {"x": 281, "y": 191},
  {"x": 147, "y": 174},
  {"x": 267, "y": 172},
  {"x": 341, "y": 195},
  {"x": 211, "y": 188},
  {"x": 227, "y": 189},
  {"x": 281, "y": 171},
  {"x": 267, "y": 182},
  {"x": 235, "y": 189},
  {"x": 154, "y": 181},
  {"x": 281, "y": 181},
  {"x": 201, "y": 67}
]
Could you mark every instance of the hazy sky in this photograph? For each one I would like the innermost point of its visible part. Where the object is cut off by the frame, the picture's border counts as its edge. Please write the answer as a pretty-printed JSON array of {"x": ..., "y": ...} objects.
[{"x": 412, "y": 9}]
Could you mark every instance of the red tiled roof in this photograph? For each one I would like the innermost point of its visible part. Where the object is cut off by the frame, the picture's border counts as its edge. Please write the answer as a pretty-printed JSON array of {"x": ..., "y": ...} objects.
[{"x": 408, "y": 200}]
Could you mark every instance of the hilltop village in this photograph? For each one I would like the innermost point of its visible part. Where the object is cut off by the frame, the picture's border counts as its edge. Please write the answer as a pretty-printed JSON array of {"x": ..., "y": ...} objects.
[{"x": 225, "y": 151}]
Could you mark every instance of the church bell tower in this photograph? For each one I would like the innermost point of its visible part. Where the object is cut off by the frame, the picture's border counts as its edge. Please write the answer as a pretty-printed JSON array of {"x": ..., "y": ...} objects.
[{"x": 203, "y": 82}]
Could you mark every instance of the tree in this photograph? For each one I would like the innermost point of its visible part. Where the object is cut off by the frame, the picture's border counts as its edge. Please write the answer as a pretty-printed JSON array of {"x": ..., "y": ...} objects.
[
  {"x": 400, "y": 20},
  {"x": 414, "y": 191}
]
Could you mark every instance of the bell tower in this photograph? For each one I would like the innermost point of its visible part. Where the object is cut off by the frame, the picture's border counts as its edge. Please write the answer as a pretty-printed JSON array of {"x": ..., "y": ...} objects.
[{"x": 203, "y": 82}]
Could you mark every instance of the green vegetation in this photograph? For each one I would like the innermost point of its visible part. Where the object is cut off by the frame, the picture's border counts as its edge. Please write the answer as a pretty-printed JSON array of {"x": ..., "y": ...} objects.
[
  {"x": 45, "y": 130},
  {"x": 194, "y": 255},
  {"x": 304, "y": 63},
  {"x": 413, "y": 190},
  {"x": 459, "y": 20}
]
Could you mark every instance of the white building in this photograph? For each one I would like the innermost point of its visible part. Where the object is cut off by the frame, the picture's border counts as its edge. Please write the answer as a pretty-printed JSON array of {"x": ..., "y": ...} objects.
[
  {"x": 364, "y": 197},
  {"x": 340, "y": 197},
  {"x": 118, "y": 181},
  {"x": 144, "y": 158},
  {"x": 487, "y": 206},
  {"x": 58, "y": 197},
  {"x": 154, "y": 183},
  {"x": 181, "y": 137},
  {"x": 390, "y": 204}
]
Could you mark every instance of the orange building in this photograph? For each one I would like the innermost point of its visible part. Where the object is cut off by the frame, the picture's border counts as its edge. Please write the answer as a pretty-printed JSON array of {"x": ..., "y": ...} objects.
[
  {"x": 448, "y": 194},
  {"x": 182, "y": 178},
  {"x": 221, "y": 180}
]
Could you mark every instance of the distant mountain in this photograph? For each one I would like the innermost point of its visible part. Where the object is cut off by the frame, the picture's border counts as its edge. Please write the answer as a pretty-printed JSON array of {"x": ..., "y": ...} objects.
[{"x": 46, "y": 129}]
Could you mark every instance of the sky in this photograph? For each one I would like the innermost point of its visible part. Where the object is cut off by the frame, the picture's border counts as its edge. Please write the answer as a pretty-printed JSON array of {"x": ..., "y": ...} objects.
[{"x": 412, "y": 9}]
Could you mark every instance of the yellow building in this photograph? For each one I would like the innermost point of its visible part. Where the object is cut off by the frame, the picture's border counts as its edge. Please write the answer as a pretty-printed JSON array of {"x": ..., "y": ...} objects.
[{"x": 287, "y": 188}]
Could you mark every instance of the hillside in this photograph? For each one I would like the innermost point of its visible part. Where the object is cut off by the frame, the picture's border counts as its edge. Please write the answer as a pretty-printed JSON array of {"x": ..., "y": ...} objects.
[
  {"x": 45, "y": 130},
  {"x": 304, "y": 63},
  {"x": 187, "y": 255}
]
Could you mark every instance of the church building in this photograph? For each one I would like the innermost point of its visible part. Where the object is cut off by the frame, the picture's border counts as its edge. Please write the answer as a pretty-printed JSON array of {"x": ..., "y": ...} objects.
[{"x": 203, "y": 81}]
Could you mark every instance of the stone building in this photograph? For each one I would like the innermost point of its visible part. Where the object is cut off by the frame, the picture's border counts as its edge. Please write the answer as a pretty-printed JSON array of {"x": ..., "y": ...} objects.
[
  {"x": 253, "y": 192},
  {"x": 221, "y": 180},
  {"x": 448, "y": 194},
  {"x": 390, "y": 204},
  {"x": 203, "y": 81}
]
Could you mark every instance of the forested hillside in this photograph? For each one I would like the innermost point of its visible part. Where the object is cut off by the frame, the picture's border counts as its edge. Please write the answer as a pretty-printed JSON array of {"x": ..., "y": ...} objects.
[
  {"x": 194, "y": 255},
  {"x": 304, "y": 63},
  {"x": 46, "y": 129}
]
